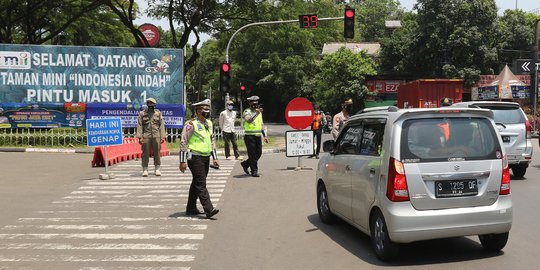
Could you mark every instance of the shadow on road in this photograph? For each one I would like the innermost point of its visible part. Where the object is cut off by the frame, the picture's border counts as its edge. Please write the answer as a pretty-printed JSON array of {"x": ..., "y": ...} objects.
[{"x": 419, "y": 253}]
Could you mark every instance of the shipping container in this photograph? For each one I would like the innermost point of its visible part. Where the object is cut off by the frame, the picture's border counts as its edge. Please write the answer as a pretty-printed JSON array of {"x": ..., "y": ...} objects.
[{"x": 428, "y": 93}]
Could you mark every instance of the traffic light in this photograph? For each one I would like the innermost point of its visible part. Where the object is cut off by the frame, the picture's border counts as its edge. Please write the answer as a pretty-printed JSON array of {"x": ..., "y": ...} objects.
[
  {"x": 224, "y": 77},
  {"x": 348, "y": 23},
  {"x": 242, "y": 88}
]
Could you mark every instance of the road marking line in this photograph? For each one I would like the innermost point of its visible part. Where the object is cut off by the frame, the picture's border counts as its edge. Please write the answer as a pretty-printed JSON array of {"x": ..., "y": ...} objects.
[
  {"x": 108, "y": 236},
  {"x": 109, "y": 219},
  {"x": 105, "y": 227},
  {"x": 116, "y": 246},
  {"x": 91, "y": 258},
  {"x": 134, "y": 202},
  {"x": 151, "y": 182},
  {"x": 145, "y": 187}
]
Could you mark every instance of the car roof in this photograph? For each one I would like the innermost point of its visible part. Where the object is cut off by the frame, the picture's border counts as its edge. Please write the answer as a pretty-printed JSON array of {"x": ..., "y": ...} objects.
[
  {"x": 492, "y": 103},
  {"x": 399, "y": 113}
]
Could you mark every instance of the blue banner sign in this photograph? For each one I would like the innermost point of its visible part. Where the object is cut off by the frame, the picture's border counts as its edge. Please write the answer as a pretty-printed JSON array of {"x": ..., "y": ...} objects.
[
  {"x": 64, "y": 74},
  {"x": 173, "y": 115},
  {"x": 44, "y": 115},
  {"x": 104, "y": 132},
  {"x": 488, "y": 92},
  {"x": 520, "y": 91}
]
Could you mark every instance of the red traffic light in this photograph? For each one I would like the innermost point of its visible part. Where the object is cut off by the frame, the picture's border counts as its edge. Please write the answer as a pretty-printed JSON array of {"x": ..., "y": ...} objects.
[
  {"x": 225, "y": 67},
  {"x": 242, "y": 88},
  {"x": 349, "y": 13}
]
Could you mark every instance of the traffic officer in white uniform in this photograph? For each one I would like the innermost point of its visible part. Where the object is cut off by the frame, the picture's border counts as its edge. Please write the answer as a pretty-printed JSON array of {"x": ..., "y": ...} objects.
[{"x": 196, "y": 146}]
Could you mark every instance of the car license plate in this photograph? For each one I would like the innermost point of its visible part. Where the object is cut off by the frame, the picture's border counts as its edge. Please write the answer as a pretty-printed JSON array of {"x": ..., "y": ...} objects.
[
  {"x": 506, "y": 138},
  {"x": 456, "y": 188}
]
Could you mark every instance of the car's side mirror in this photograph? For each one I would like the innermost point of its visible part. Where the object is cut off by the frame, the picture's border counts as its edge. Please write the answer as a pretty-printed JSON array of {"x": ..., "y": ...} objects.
[{"x": 328, "y": 146}]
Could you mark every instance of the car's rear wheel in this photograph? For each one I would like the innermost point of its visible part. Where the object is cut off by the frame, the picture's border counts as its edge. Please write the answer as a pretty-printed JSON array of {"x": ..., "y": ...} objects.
[
  {"x": 519, "y": 170},
  {"x": 494, "y": 242},
  {"x": 384, "y": 248},
  {"x": 323, "y": 206}
]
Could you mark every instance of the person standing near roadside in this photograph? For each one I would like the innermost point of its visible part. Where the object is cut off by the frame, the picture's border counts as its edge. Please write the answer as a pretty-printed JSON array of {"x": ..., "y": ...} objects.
[
  {"x": 226, "y": 124},
  {"x": 196, "y": 146},
  {"x": 151, "y": 134},
  {"x": 318, "y": 122},
  {"x": 253, "y": 129},
  {"x": 342, "y": 117}
]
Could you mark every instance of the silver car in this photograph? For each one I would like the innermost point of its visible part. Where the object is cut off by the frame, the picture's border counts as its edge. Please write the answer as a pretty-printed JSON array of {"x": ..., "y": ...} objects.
[
  {"x": 515, "y": 130},
  {"x": 405, "y": 175}
]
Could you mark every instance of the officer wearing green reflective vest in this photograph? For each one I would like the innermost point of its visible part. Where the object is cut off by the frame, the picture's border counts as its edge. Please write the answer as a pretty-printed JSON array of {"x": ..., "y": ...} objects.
[
  {"x": 253, "y": 130},
  {"x": 196, "y": 146}
]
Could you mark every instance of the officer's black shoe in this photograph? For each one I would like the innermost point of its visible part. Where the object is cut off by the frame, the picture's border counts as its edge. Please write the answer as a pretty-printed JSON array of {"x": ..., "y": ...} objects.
[
  {"x": 245, "y": 166},
  {"x": 212, "y": 213},
  {"x": 194, "y": 212},
  {"x": 255, "y": 174}
]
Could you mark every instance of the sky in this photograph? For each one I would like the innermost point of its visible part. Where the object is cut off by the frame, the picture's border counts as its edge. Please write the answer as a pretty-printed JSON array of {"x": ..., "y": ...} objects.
[{"x": 526, "y": 5}]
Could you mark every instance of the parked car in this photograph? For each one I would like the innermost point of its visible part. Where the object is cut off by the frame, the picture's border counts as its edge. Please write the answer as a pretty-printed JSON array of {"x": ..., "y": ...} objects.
[
  {"x": 515, "y": 130},
  {"x": 405, "y": 175}
]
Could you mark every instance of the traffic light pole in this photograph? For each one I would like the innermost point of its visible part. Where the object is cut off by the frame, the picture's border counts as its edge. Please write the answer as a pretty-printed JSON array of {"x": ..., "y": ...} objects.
[{"x": 268, "y": 23}]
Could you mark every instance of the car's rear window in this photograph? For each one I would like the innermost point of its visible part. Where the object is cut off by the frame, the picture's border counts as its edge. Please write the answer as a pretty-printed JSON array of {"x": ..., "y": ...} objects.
[
  {"x": 506, "y": 115},
  {"x": 443, "y": 139}
]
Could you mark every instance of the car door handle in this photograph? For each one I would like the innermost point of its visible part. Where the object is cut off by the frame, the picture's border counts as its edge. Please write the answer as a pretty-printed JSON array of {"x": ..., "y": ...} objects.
[
  {"x": 347, "y": 168},
  {"x": 372, "y": 171}
]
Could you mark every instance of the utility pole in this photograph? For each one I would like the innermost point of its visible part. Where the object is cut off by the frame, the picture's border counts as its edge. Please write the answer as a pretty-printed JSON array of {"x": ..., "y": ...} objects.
[{"x": 534, "y": 73}]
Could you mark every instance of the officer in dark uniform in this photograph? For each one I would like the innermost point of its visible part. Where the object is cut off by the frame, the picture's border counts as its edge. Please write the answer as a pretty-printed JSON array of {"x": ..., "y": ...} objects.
[
  {"x": 196, "y": 147},
  {"x": 253, "y": 129}
]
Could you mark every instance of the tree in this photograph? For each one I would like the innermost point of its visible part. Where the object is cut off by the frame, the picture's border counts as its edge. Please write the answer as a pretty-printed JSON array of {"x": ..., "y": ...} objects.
[
  {"x": 451, "y": 39},
  {"x": 514, "y": 35},
  {"x": 372, "y": 15},
  {"x": 195, "y": 17},
  {"x": 341, "y": 75},
  {"x": 99, "y": 27},
  {"x": 38, "y": 21}
]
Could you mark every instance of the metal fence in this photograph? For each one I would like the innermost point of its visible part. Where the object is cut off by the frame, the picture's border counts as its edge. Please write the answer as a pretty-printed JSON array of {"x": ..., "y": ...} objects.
[{"x": 73, "y": 137}]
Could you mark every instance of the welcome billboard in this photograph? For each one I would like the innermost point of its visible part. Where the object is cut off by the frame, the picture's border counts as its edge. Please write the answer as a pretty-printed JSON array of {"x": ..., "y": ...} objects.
[
  {"x": 36, "y": 73},
  {"x": 37, "y": 80}
]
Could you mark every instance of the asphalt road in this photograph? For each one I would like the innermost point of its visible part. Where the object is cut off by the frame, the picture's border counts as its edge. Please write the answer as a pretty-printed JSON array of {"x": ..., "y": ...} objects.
[{"x": 265, "y": 223}]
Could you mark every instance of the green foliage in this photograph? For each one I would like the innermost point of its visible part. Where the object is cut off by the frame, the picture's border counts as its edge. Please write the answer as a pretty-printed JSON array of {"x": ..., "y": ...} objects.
[
  {"x": 341, "y": 75},
  {"x": 372, "y": 15}
]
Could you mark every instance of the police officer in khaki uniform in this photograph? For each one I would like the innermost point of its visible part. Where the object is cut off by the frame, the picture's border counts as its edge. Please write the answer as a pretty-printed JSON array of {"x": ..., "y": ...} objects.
[
  {"x": 151, "y": 134},
  {"x": 196, "y": 146}
]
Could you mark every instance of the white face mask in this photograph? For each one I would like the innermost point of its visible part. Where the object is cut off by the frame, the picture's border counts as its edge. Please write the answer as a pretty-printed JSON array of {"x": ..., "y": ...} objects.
[{"x": 230, "y": 107}]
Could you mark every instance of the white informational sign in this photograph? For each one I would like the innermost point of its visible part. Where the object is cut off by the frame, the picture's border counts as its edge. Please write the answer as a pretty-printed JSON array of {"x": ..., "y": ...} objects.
[{"x": 299, "y": 143}]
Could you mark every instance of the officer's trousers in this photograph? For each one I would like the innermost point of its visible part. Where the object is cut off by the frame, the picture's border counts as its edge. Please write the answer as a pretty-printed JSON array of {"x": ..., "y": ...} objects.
[
  {"x": 317, "y": 134},
  {"x": 229, "y": 138},
  {"x": 198, "y": 165},
  {"x": 154, "y": 144},
  {"x": 254, "y": 149}
]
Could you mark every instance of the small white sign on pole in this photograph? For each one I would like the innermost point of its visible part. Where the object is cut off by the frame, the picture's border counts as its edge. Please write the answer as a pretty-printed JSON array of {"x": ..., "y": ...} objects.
[{"x": 299, "y": 143}]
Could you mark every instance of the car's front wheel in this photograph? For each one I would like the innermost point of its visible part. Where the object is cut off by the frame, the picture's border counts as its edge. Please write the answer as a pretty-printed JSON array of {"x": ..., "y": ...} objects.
[
  {"x": 323, "y": 206},
  {"x": 384, "y": 248},
  {"x": 494, "y": 242},
  {"x": 519, "y": 170}
]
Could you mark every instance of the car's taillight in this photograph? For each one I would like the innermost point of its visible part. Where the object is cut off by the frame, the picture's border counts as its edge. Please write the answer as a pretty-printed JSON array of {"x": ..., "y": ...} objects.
[
  {"x": 505, "y": 180},
  {"x": 396, "y": 189},
  {"x": 528, "y": 128}
]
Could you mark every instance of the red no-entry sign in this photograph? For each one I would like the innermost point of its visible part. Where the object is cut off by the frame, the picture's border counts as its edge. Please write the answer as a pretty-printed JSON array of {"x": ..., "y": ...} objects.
[{"x": 299, "y": 113}]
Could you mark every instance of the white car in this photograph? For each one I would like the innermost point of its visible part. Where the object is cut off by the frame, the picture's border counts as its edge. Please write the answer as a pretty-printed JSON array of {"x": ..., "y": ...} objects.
[
  {"x": 515, "y": 130},
  {"x": 405, "y": 175}
]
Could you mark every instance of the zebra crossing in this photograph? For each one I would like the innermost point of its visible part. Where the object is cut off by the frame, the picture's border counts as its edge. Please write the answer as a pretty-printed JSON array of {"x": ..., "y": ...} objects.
[{"x": 129, "y": 222}]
